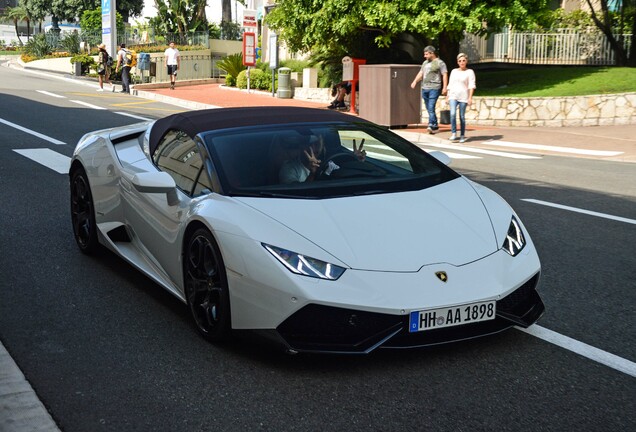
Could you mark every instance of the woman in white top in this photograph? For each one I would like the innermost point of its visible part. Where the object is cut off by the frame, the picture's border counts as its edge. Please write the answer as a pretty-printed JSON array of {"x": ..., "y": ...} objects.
[{"x": 461, "y": 86}]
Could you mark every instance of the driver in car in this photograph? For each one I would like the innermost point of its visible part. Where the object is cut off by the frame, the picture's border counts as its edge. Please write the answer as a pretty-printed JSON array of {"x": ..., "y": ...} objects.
[{"x": 307, "y": 165}]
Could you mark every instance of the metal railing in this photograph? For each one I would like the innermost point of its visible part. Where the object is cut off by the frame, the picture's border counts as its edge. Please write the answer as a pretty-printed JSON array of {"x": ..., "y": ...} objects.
[
  {"x": 134, "y": 38},
  {"x": 564, "y": 47}
]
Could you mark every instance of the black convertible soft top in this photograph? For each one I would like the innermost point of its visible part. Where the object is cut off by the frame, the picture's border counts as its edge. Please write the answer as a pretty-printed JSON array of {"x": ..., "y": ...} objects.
[{"x": 194, "y": 122}]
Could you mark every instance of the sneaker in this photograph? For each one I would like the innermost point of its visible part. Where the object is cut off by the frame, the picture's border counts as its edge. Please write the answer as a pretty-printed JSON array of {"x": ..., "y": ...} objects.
[
  {"x": 100, "y": 89},
  {"x": 113, "y": 88},
  {"x": 430, "y": 130},
  {"x": 341, "y": 105},
  {"x": 171, "y": 86},
  {"x": 332, "y": 106},
  {"x": 453, "y": 138},
  {"x": 462, "y": 139}
]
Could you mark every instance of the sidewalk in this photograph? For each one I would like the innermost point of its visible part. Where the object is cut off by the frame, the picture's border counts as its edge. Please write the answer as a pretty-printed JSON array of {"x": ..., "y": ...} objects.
[{"x": 598, "y": 142}]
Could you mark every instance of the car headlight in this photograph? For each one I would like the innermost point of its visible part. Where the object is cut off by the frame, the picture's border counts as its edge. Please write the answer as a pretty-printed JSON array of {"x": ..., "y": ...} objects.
[
  {"x": 515, "y": 241},
  {"x": 304, "y": 265}
]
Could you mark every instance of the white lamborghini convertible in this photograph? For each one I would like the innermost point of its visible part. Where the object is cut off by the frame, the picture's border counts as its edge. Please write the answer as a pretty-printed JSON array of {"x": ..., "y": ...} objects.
[{"x": 324, "y": 231}]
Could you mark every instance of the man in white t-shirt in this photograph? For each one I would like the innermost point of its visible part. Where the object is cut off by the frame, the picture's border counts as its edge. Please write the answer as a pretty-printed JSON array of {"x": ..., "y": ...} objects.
[{"x": 173, "y": 62}]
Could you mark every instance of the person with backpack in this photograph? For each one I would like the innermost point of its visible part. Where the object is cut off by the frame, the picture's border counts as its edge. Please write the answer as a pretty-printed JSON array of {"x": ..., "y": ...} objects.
[
  {"x": 123, "y": 64},
  {"x": 173, "y": 62},
  {"x": 104, "y": 63}
]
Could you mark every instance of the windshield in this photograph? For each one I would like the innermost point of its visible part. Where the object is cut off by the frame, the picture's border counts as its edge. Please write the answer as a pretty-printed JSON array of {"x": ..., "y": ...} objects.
[{"x": 320, "y": 160}]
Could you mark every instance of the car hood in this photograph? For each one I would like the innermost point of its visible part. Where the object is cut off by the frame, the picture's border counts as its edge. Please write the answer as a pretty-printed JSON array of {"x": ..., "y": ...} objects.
[{"x": 402, "y": 231}]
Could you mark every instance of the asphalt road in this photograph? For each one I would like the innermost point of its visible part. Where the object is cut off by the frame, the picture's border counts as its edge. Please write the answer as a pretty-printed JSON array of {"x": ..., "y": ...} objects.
[{"x": 107, "y": 350}]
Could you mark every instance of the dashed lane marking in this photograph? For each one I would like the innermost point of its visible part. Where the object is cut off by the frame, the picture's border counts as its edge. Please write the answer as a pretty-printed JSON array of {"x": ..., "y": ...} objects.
[
  {"x": 132, "y": 116},
  {"x": 86, "y": 104},
  {"x": 47, "y": 157},
  {"x": 32, "y": 132},
  {"x": 583, "y": 211},
  {"x": 453, "y": 155},
  {"x": 466, "y": 149},
  {"x": 588, "y": 351},
  {"x": 51, "y": 94},
  {"x": 557, "y": 149}
]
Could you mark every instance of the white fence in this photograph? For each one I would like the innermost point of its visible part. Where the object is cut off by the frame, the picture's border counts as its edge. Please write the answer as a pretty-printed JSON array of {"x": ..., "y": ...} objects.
[{"x": 566, "y": 47}]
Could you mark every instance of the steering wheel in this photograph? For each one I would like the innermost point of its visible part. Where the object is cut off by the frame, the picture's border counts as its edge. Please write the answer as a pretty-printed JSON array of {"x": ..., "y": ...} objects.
[{"x": 342, "y": 155}]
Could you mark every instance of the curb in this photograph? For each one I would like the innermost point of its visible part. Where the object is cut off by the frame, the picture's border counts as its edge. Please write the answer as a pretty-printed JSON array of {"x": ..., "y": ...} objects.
[{"x": 20, "y": 408}]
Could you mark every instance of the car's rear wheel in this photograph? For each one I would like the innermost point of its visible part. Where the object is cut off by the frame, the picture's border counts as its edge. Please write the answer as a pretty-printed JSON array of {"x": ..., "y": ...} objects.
[
  {"x": 83, "y": 213},
  {"x": 206, "y": 286}
]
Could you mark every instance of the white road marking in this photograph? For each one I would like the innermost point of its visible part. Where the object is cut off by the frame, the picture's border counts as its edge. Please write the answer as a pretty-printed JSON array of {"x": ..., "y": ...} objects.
[
  {"x": 133, "y": 116},
  {"x": 86, "y": 104},
  {"x": 47, "y": 157},
  {"x": 615, "y": 362},
  {"x": 51, "y": 94},
  {"x": 34, "y": 133},
  {"x": 578, "y": 210},
  {"x": 453, "y": 155},
  {"x": 482, "y": 151},
  {"x": 553, "y": 148}
]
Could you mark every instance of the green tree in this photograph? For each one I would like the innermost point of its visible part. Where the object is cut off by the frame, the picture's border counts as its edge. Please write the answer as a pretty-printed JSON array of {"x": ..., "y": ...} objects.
[
  {"x": 91, "y": 20},
  {"x": 17, "y": 14},
  {"x": 68, "y": 10},
  {"x": 179, "y": 16},
  {"x": 367, "y": 28},
  {"x": 613, "y": 20}
]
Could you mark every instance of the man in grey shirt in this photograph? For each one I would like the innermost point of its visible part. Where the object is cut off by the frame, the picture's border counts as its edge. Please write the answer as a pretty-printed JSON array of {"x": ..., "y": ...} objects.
[{"x": 434, "y": 77}]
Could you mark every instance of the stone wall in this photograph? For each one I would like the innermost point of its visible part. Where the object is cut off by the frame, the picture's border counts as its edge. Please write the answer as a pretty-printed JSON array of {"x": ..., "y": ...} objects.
[{"x": 594, "y": 110}]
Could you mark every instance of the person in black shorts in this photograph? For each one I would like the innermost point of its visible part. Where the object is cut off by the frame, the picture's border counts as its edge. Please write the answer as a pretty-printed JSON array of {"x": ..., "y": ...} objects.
[{"x": 173, "y": 61}]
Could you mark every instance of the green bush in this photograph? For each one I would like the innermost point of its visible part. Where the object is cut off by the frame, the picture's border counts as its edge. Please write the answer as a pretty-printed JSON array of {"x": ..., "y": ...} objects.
[
  {"x": 295, "y": 65},
  {"x": 259, "y": 80},
  {"x": 71, "y": 43},
  {"x": 38, "y": 46},
  {"x": 232, "y": 64},
  {"x": 86, "y": 61},
  {"x": 230, "y": 81}
]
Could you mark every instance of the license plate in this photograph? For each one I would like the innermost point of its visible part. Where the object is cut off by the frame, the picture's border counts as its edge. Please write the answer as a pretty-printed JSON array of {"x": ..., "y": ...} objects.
[{"x": 452, "y": 316}]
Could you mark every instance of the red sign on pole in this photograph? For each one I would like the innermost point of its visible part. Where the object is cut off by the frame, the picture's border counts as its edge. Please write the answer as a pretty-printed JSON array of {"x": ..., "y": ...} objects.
[{"x": 249, "y": 49}]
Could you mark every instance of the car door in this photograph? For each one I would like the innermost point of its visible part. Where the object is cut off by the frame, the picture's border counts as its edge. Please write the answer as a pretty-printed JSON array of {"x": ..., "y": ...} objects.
[{"x": 157, "y": 218}]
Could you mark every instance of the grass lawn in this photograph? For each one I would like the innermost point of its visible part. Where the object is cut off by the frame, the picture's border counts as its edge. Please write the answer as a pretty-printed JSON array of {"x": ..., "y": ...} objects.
[{"x": 555, "y": 81}]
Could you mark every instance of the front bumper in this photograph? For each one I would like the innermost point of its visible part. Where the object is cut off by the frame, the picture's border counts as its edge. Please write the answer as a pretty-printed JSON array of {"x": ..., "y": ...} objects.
[{"x": 319, "y": 328}]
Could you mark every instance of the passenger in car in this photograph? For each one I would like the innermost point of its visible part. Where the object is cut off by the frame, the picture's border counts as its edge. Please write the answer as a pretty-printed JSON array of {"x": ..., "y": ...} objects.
[{"x": 305, "y": 165}]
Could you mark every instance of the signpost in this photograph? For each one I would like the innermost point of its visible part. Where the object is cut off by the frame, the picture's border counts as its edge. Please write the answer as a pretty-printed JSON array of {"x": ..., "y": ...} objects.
[
  {"x": 250, "y": 23},
  {"x": 249, "y": 53},
  {"x": 273, "y": 57},
  {"x": 109, "y": 26}
]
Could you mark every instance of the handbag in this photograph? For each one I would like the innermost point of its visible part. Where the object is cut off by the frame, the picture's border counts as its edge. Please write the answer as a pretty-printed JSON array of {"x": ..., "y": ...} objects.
[{"x": 444, "y": 115}]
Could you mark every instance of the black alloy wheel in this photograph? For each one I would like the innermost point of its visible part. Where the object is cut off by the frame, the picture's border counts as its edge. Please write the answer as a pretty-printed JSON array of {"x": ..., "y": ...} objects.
[
  {"x": 83, "y": 213},
  {"x": 206, "y": 287}
]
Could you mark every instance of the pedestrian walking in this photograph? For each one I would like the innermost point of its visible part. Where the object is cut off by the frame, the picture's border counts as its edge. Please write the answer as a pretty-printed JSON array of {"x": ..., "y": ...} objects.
[
  {"x": 104, "y": 63},
  {"x": 173, "y": 62},
  {"x": 434, "y": 77},
  {"x": 125, "y": 69},
  {"x": 461, "y": 86}
]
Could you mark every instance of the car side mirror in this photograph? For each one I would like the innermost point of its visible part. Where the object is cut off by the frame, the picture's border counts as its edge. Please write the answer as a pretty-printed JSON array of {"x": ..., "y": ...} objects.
[{"x": 157, "y": 182}]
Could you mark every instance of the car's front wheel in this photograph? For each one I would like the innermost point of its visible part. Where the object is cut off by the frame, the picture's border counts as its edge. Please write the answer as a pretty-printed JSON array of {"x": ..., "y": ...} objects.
[
  {"x": 83, "y": 213},
  {"x": 206, "y": 286}
]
